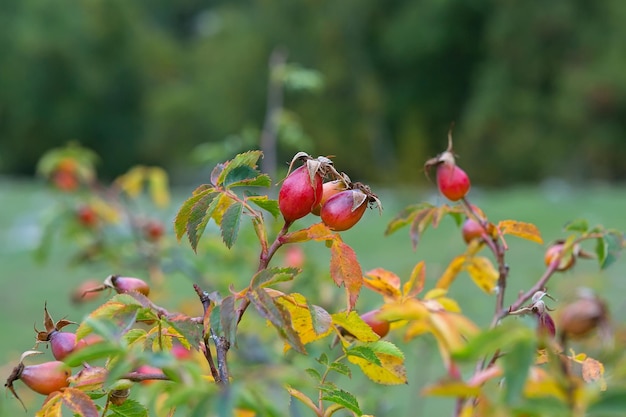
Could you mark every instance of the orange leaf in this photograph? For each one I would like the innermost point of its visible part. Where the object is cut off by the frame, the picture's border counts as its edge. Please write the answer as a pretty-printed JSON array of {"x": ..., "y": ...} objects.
[
  {"x": 383, "y": 282},
  {"x": 593, "y": 371},
  {"x": 79, "y": 402},
  {"x": 451, "y": 272},
  {"x": 345, "y": 270},
  {"x": 409, "y": 309},
  {"x": 520, "y": 229},
  {"x": 318, "y": 231},
  {"x": 415, "y": 284}
]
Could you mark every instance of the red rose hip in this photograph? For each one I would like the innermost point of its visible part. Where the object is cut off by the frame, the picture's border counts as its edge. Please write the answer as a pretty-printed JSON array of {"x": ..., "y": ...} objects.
[
  {"x": 452, "y": 181},
  {"x": 46, "y": 378},
  {"x": 344, "y": 210},
  {"x": 300, "y": 192},
  {"x": 380, "y": 327}
]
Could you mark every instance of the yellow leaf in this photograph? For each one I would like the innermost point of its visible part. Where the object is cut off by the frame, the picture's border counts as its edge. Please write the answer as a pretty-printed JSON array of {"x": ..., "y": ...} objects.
[
  {"x": 520, "y": 229},
  {"x": 159, "y": 189},
  {"x": 415, "y": 284},
  {"x": 353, "y": 324},
  {"x": 52, "y": 407},
  {"x": 383, "y": 282},
  {"x": 451, "y": 329},
  {"x": 409, "y": 309},
  {"x": 438, "y": 294},
  {"x": 301, "y": 319},
  {"x": 416, "y": 328},
  {"x": 241, "y": 412},
  {"x": 435, "y": 293},
  {"x": 391, "y": 371},
  {"x": 302, "y": 397},
  {"x": 132, "y": 181},
  {"x": 451, "y": 272},
  {"x": 483, "y": 273},
  {"x": 105, "y": 211},
  {"x": 223, "y": 203},
  {"x": 540, "y": 383},
  {"x": 452, "y": 389},
  {"x": 593, "y": 371}
]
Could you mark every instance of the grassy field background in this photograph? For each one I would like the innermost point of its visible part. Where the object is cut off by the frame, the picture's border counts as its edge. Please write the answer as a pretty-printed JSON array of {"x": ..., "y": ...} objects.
[{"x": 25, "y": 285}]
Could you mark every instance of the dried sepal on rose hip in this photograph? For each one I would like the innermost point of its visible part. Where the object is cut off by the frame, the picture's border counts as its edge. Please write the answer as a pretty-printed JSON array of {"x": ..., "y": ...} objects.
[
  {"x": 121, "y": 285},
  {"x": 452, "y": 181},
  {"x": 546, "y": 329},
  {"x": 44, "y": 378},
  {"x": 61, "y": 343},
  {"x": 344, "y": 209}
]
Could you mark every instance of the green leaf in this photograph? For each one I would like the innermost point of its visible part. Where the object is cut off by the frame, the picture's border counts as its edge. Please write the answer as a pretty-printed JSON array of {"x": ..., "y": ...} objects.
[
  {"x": 516, "y": 363},
  {"x": 546, "y": 406},
  {"x": 578, "y": 225},
  {"x": 364, "y": 352},
  {"x": 320, "y": 318},
  {"x": 383, "y": 346},
  {"x": 228, "y": 319},
  {"x": 277, "y": 315},
  {"x": 610, "y": 403},
  {"x": 609, "y": 247},
  {"x": 323, "y": 359},
  {"x": 120, "y": 312},
  {"x": 199, "y": 217},
  {"x": 344, "y": 399},
  {"x": 421, "y": 221},
  {"x": 489, "y": 341},
  {"x": 182, "y": 217},
  {"x": 231, "y": 221},
  {"x": 247, "y": 159},
  {"x": 90, "y": 353},
  {"x": 239, "y": 176},
  {"x": 266, "y": 204},
  {"x": 189, "y": 329},
  {"x": 130, "y": 408},
  {"x": 405, "y": 217},
  {"x": 341, "y": 368},
  {"x": 313, "y": 373},
  {"x": 270, "y": 276}
]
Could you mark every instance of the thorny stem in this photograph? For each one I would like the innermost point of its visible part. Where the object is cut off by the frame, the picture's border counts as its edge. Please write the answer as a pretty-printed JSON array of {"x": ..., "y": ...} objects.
[{"x": 498, "y": 250}]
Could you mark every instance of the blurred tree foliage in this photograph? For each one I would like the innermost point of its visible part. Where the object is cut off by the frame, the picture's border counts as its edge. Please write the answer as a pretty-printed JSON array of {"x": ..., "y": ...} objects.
[{"x": 536, "y": 88}]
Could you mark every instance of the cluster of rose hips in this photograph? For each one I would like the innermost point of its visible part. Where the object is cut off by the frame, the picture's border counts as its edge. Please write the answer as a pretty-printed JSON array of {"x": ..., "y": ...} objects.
[
  {"x": 339, "y": 202},
  {"x": 48, "y": 377}
]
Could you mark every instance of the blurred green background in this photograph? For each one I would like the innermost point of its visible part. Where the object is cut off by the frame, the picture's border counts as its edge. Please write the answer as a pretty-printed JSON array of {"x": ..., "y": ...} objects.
[{"x": 536, "y": 89}]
